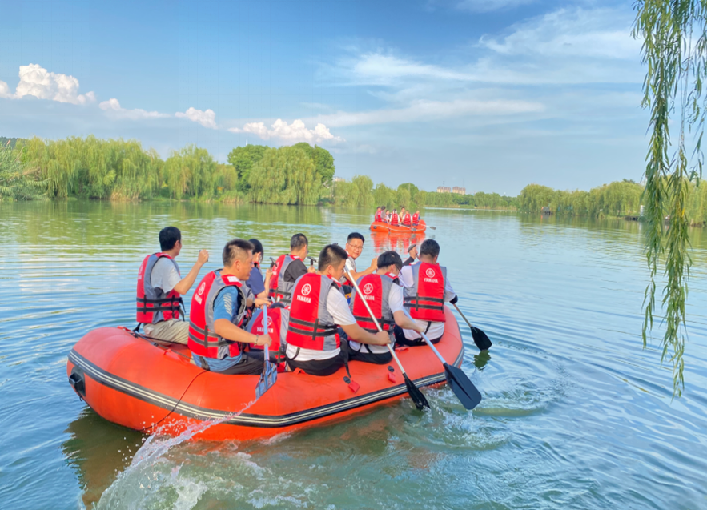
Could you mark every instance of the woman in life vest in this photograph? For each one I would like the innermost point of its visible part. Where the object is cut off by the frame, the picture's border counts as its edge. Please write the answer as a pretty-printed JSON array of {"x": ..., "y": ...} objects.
[
  {"x": 384, "y": 295},
  {"x": 216, "y": 340},
  {"x": 160, "y": 287},
  {"x": 427, "y": 288},
  {"x": 288, "y": 268},
  {"x": 318, "y": 309}
]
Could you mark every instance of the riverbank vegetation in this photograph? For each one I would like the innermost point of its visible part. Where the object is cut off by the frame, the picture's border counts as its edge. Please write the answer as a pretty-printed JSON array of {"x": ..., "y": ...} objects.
[{"x": 18, "y": 181}]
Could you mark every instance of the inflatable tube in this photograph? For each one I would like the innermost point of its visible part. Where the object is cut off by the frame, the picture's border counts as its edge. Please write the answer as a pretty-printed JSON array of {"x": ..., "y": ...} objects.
[
  {"x": 139, "y": 384},
  {"x": 378, "y": 226}
]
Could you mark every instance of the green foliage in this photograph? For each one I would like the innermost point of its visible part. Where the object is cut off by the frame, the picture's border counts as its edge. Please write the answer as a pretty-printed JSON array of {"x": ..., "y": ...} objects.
[
  {"x": 284, "y": 176},
  {"x": 615, "y": 199},
  {"x": 674, "y": 37},
  {"x": 9, "y": 142},
  {"x": 243, "y": 159},
  {"x": 18, "y": 181},
  {"x": 358, "y": 192},
  {"x": 323, "y": 161},
  {"x": 479, "y": 200}
]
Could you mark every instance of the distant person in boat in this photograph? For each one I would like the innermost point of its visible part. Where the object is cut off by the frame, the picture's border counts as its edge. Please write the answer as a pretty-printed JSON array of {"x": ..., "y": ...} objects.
[
  {"x": 313, "y": 342},
  {"x": 427, "y": 288},
  {"x": 416, "y": 218},
  {"x": 288, "y": 268},
  {"x": 354, "y": 247},
  {"x": 412, "y": 252},
  {"x": 218, "y": 307},
  {"x": 379, "y": 214},
  {"x": 255, "y": 281},
  {"x": 388, "y": 216},
  {"x": 394, "y": 218},
  {"x": 160, "y": 287},
  {"x": 384, "y": 295},
  {"x": 407, "y": 219}
]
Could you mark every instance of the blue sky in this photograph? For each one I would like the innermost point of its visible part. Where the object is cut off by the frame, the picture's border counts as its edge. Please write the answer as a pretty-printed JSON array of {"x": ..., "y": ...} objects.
[{"x": 489, "y": 94}]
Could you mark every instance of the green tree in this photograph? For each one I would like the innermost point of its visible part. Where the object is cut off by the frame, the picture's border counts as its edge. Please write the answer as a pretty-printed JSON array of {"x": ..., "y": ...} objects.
[
  {"x": 17, "y": 180},
  {"x": 243, "y": 159},
  {"x": 674, "y": 35}
]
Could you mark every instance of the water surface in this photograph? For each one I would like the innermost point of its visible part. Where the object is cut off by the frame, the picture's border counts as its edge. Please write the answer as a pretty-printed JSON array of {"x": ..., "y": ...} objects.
[{"x": 575, "y": 413}]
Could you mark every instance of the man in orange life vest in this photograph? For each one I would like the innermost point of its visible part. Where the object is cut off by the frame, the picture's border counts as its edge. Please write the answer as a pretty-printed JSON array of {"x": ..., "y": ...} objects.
[
  {"x": 288, "y": 269},
  {"x": 218, "y": 306},
  {"x": 313, "y": 342},
  {"x": 416, "y": 218},
  {"x": 427, "y": 288},
  {"x": 160, "y": 287},
  {"x": 407, "y": 219},
  {"x": 379, "y": 214},
  {"x": 384, "y": 295}
]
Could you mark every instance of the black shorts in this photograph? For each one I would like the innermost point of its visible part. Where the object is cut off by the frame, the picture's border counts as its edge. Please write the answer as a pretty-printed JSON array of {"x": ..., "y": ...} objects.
[
  {"x": 319, "y": 366},
  {"x": 252, "y": 363},
  {"x": 402, "y": 341},
  {"x": 368, "y": 357}
]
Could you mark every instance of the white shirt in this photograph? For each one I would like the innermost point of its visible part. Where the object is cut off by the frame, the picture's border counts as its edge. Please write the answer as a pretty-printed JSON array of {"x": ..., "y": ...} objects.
[
  {"x": 396, "y": 304},
  {"x": 165, "y": 275},
  {"x": 338, "y": 308},
  {"x": 350, "y": 266},
  {"x": 436, "y": 329}
]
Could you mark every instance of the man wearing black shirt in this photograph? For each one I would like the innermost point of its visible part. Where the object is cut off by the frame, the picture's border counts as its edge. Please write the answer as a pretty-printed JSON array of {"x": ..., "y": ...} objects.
[
  {"x": 294, "y": 266},
  {"x": 412, "y": 251}
]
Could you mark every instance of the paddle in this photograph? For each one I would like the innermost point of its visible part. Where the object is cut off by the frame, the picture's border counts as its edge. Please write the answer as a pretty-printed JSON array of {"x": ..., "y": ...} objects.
[
  {"x": 269, "y": 375},
  {"x": 415, "y": 394},
  {"x": 480, "y": 339},
  {"x": 461, "y": 385}
]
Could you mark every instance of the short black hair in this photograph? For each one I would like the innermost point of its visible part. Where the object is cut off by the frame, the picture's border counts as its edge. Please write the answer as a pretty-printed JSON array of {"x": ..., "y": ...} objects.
[
  {"x": 355, "y": 235},
  {"x": 169, "y": 237},
  {"x": 390, "y": 258},
  {"x": 331, "y": 255},
  {"x": 257, "y": 246},
  {"x": 235, "y": 249},
  {"x": 298, "y": 241},
  {"x": 429, "y": 248}
]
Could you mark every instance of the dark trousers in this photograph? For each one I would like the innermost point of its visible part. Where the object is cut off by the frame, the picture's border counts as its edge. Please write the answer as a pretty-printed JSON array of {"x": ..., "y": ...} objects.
[
  {"x": 319, "y": 366},
  {"x": 401, "y": 340},
  {"x": 368, "y": 357},
  {"x": 252, "y": 363}
]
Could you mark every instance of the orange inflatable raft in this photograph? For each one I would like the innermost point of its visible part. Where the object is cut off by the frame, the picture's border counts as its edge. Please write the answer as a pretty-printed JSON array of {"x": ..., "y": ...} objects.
[
  {"x": 379, "y": 226},
  {"x": 143, "y": 385}
]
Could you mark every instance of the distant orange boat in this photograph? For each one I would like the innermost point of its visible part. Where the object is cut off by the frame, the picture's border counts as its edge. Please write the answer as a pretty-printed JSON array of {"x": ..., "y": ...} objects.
[{"x": 379, "y": 226}]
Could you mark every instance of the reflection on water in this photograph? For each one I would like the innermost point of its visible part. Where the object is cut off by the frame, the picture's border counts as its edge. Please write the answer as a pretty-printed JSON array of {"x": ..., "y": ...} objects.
[{"x": 575, "y": 413}]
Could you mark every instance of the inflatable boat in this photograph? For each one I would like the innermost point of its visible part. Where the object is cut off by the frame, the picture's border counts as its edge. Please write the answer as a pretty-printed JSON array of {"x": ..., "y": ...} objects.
[
  {"x": 146, "y": 385},
  {"x": 379, "y": 226}
]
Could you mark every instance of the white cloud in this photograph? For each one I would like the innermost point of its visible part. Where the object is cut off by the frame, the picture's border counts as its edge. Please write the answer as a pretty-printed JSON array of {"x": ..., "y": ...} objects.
[
  {"x": 38, "y": 82},
  {"x": 425, "y": 111},
  {"x": 4, "y": 90},
  {"x": 205, "y": 118},
  {"x": 112, "y": 106},
  {"x": 490, "y": 5},
  {"x": 295, "y": 132},
  {"x": 603, "y": 33}
]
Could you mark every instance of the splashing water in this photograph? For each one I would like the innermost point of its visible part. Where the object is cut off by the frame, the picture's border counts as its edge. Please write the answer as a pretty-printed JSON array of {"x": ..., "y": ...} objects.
[{"x": 128, "y": 483}]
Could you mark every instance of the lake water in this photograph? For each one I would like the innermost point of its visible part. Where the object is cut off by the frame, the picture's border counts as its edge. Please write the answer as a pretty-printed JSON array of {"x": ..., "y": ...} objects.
[{"x": 575, "y": 413}]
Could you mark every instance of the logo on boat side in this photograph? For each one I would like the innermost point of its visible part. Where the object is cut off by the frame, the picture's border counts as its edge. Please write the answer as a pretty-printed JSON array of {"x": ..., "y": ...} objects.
[
  {"x": 430, "y": 272},
  {"x": 368, "y": 288},
  {"x": 306, "y": 289}
]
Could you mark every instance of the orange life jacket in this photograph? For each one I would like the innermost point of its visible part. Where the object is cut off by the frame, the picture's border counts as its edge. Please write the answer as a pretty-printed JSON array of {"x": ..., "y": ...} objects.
[{"x": 425, "y": 299}]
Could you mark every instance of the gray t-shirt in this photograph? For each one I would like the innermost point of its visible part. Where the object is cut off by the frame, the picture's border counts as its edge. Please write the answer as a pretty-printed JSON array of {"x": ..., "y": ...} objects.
[{"x": 165, "y": 275}]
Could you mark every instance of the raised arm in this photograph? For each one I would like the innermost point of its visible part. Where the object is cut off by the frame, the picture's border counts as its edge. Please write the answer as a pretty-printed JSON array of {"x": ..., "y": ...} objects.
[{"x": 186, "y": 283}]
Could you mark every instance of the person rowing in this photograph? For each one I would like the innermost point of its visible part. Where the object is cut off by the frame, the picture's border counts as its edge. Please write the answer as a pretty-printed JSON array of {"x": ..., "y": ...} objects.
[
  {"x": 427, "y": 288},
  {"x": 318, "y": 308},
  {"x": 216, "y": 340},
  {"x": 160, "y": 287},
  {"x": 384, "y": 295}
]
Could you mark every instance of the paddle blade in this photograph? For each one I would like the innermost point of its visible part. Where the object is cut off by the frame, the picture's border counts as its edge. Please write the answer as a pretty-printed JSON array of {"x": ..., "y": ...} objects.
[
  {"x": 480, "y": 339},
  {"x": 267, "y": 379},
  {"x": 415, "y": 394},
  {"x": 462, "y": 387}
]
